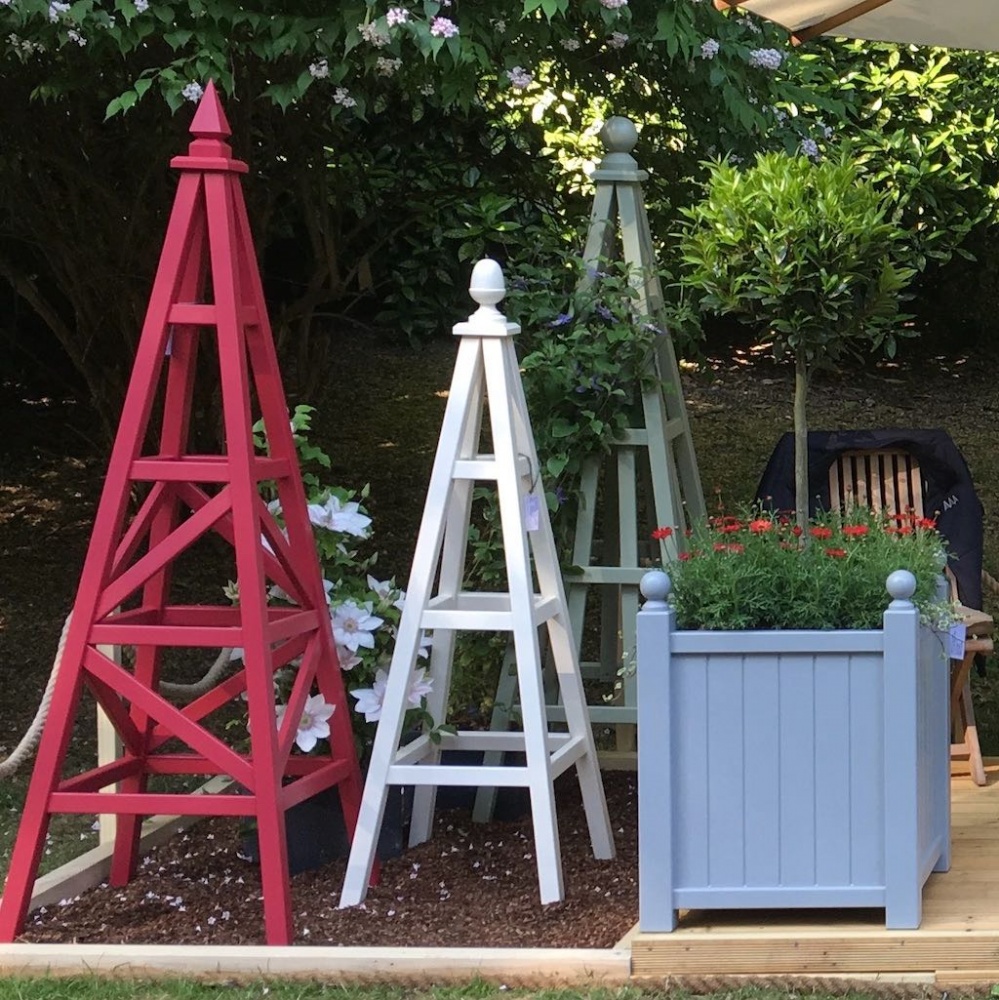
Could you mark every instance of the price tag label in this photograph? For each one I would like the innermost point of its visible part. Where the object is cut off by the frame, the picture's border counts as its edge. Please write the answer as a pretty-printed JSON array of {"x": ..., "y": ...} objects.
[
  {"x": 955, "y": 640},
  {"x": 532, "y": 512}
]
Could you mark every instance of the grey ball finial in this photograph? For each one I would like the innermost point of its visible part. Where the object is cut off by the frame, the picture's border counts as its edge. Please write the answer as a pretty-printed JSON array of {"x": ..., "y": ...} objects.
[
  {"x": 901, "y": 585},
  {"x": 655, "y": 587},
  {"x": 619, "y": 135},
  {"x": 488, "y": 285}
]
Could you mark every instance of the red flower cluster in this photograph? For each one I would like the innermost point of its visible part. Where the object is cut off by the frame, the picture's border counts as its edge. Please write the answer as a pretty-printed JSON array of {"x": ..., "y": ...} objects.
[
  {"x": 727, "y": 524},
  {"x": 661, "y": 534}
]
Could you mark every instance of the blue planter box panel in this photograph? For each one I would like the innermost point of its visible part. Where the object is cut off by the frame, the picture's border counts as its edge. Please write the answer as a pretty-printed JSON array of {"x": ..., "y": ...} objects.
[
  {"x": 796, "y": 769},
  {"x": 778, "y": 761}
]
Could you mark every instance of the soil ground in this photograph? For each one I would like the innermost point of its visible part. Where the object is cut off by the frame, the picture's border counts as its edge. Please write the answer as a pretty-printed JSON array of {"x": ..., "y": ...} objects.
[{"x": 379, "y": 420}]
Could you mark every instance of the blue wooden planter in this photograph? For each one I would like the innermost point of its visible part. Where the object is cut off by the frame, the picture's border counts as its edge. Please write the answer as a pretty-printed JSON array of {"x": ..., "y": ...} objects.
[{"x": 793, "y": 768}]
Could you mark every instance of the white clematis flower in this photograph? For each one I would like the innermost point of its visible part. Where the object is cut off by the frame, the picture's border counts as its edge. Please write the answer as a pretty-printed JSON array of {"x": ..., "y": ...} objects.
[
  {"x": 313, "y": 726},
  {"x": 383, "y": 588},
  {"x": 353, "y": 625},
  {"x": 419, "y": 687},
  {"x": 335, "y": 515},
  {"x": 347, "y": 657},
  {"x": 370, "y": 700}
]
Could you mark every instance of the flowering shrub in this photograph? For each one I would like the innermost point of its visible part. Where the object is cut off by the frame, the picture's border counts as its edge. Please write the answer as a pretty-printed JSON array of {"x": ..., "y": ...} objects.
[
  {"x": 761, "y": 571},
  {"x": 364, "y": 611}
]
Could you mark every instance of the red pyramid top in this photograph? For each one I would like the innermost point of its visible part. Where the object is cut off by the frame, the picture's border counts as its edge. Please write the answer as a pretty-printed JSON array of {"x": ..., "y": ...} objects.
[
  {"x": 209, "y": 120},
  {"x": 208, "y": 149}
]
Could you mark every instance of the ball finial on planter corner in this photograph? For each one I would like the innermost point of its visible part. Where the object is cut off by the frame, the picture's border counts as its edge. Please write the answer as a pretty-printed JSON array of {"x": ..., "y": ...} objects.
[
  {"x": 655, "y": 587},
  {"x": 901, "y": 585}
]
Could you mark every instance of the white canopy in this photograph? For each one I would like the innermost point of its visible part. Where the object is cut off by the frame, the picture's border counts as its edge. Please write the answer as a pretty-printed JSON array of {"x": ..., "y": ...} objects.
[{"x": 958, "y": 24}]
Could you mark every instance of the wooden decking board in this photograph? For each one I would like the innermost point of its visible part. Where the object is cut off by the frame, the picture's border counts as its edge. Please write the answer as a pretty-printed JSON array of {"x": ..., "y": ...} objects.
[{"x": 957, "y": 942}]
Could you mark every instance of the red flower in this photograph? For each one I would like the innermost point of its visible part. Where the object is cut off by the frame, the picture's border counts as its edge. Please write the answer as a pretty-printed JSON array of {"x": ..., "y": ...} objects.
[
  {"x": 836, "y": 553},
  {"x": 926, "y": 523},
  {"x": 760, "y": 525},
  {"x": 905, "y": 530},
  {"x": 796, "y": 531},
  {"x": 662, "y": 533},
  {"x": 685, "y": 556},
  {"x": 719, "y": 547},
  {"x": 722, "y": 521},
  {"x": 736, "y": 547},
  {"x": 855, "y": 530},
  {"x": 731, "y": 527},
  {"x": 820, "y": 532}
]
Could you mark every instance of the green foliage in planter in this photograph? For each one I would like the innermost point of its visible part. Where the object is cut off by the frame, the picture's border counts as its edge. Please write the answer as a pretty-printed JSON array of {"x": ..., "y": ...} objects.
[
  {"x": 806, "y": 252},
  {"x": 754, "y": 572}
]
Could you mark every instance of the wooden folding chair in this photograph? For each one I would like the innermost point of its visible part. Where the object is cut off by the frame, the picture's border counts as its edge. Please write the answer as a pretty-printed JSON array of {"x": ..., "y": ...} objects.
[{"x": 890, "y": 481}]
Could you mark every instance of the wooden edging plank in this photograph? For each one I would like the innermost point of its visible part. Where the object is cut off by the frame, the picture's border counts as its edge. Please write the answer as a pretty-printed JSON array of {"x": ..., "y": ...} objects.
[
  {"x": 511, "y": 966},
  {"x": 814, "y": 952}
]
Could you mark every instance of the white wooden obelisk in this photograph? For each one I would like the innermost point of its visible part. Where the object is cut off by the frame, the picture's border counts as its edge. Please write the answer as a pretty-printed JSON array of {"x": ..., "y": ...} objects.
[{"x": 486, "y": 375}]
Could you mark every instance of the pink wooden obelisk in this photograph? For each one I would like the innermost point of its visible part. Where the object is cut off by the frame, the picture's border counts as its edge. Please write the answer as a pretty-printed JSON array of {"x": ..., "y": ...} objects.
[{"x": 207, "y": 285}]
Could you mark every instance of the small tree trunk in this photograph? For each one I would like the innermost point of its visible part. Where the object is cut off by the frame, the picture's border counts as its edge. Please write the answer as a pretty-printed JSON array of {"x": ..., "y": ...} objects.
[{"x": 801, "y": 442}]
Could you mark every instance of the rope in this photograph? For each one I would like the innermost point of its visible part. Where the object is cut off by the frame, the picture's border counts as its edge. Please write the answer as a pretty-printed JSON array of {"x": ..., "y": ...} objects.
[
  {"x": 26, "y": 747},
  {"x": 29, "y": 740},
  {"x": 215, "y": 671}
]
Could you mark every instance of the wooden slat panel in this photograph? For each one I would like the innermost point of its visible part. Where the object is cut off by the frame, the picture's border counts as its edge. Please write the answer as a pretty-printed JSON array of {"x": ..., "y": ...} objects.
[
  {"x": 889, "y": 481},
  {"x": 726, "y": 794},
  {"x": 761, "y": 813},
  {"x": 797, "y": 748}
]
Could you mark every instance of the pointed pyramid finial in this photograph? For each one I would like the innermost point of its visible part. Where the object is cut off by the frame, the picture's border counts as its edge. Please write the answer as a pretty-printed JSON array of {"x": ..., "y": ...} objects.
[{"x": 209, "y": 120}]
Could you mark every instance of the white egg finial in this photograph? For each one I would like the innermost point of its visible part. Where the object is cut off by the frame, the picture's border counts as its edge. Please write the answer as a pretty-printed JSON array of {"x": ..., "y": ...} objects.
[{"x": 488, "y": 286}]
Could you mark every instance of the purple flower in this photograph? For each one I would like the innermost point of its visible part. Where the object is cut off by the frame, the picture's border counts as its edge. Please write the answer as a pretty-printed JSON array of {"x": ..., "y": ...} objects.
[
  {"x": 443, "y": 27},
  {"x": 766, "y": 58},
  {"x": 604, "y": 313},
  {"x": 561, "y": 320}
]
